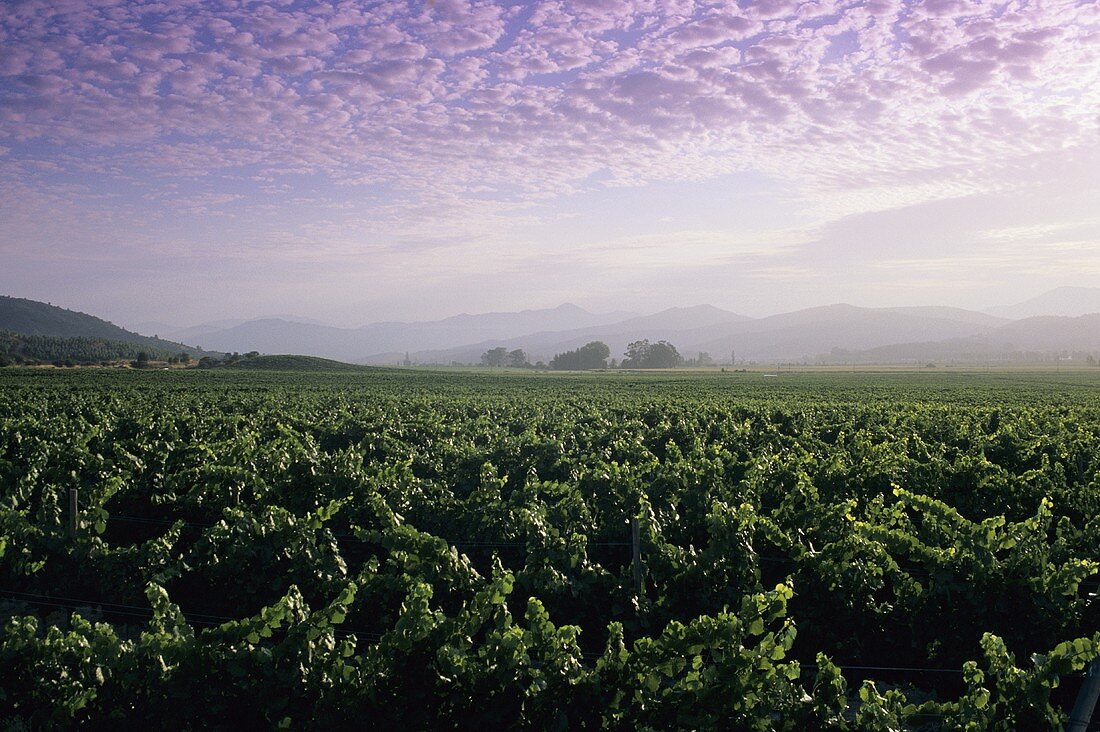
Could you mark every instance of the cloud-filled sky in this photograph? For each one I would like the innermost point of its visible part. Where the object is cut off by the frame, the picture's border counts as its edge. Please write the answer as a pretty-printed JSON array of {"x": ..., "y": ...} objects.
[{"x": 188, "y": 160}]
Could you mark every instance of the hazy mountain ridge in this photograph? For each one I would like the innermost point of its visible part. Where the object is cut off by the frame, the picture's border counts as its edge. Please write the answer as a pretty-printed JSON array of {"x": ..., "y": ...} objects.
[
  {"x": 813, "y": 334},
  {"x": 664, "y": 325},
  {"x": 1020, "y": 340},
  {"x": 803, "y": 333},
  {"x": 830, "y": 333},
  {"x": 949, "y": 313},
  {"x": 1065, "y": 301},
  {"x": 796, "y": 335},
  {"x": 275, "y": 335}
]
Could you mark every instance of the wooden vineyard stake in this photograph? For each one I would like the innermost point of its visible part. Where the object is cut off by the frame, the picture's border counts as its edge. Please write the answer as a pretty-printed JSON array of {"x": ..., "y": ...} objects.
[
  {"x": 1086, "y": 699},
  {"x": 636, "y": 544},
  {"x": 73, "y": 507}
]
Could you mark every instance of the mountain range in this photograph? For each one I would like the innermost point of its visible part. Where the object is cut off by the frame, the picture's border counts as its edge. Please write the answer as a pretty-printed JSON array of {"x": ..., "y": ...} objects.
[
  {"x": 833, "y": 333},
  {"x": 1068, "y": 301},
  {"x": 281, "y": 335},
  {"x": 1063, "y": 321},
  {"x": 824, "y": 333}
]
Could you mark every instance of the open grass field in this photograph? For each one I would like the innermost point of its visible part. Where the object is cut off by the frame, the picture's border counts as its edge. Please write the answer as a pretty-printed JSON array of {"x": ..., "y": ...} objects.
[{"x": 817, "y": 550}]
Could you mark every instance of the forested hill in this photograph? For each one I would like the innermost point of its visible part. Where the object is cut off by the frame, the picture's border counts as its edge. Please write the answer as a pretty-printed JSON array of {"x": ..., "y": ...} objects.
[
  {"x": 30, "y": 349},
  {"x": 33, "y": 318}
]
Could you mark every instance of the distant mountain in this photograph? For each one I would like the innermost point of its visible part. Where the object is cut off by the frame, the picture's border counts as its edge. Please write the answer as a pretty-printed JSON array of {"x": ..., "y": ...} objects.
[
  {"x": 195, "y": 333},
  {"x": 33, "y": 318},
  {"x": 1052, "y": 333},
  {"x": 1066, "y": 301},
  {"x": 274, "y": 335},
  {"x": 722, "y": 334},
  {"x": 543, "y": 345},
  {"x": 566, "y": 315},
  {"x": 668, "y": 325},
  {"x": 803, "y": 333},
  {"x": 959, "y": 315},
  {"x": 156, "y": 328},
  {"x": 1019, "y": 340},
  {"x": 833, "y": 333},
  {"x": 674, "y": 319}
]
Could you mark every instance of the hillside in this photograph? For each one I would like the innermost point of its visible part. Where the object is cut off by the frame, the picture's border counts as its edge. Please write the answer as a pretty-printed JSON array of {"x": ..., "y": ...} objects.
[
  {"x": 18, "y": 348},
  {"x": 294, "y": 363},
  {"x": 33, "y": 318}
]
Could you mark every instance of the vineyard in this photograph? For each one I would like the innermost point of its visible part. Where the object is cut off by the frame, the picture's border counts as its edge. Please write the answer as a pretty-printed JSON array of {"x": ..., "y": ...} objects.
[{"x": 455, "y": 550}]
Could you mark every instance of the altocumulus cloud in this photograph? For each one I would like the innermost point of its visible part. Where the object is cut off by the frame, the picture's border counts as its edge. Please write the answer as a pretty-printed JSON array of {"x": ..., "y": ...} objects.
[{"x": 476, "y": 110}]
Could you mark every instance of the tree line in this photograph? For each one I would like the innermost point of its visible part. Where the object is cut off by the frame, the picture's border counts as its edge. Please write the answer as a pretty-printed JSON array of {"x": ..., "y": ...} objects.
[
  {"x": 17, "y": 349},
  {"x": 20, "y": 349},
  {"x": 596, "y": 354}
]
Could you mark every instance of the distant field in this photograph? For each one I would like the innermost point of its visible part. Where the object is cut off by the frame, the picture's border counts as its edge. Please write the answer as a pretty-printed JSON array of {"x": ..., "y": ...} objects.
[
  {"x": 987, "y": 386},
  {"x": 819, "y": 549}
]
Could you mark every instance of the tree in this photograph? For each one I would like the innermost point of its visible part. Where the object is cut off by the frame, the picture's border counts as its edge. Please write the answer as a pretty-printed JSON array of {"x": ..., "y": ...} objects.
[
  {"x": 663, "y": 355},
  {"x": 645, "y": 355},
  {"x": 636, "y": 354},
  {"x": 517, "y": 359},
  {"x": 141, "y": 362},
  {"x": 495, "y": 357},
  {"x": 592, "y": 355}
]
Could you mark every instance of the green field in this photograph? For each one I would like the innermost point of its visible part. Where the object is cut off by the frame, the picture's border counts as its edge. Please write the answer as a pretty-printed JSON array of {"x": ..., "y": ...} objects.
[{"x": 383, "y": 548}]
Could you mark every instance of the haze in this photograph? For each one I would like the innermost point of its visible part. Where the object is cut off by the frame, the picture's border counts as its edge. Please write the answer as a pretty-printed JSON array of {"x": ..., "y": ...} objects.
[{"x": 188, "y": 161}]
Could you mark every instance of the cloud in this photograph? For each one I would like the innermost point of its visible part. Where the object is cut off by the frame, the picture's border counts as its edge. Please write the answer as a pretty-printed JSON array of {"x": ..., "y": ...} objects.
[
  {"x": 750, "y": 78},
  {"x": 485, "y": 109}
]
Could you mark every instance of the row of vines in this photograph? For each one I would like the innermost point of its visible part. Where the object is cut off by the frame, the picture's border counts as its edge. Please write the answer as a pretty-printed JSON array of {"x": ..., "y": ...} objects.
[{"x": 454, "y": 551}]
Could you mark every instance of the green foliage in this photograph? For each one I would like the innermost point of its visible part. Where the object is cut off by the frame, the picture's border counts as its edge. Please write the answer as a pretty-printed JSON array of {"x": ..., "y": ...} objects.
[
  {"x": 645, "y": 355},
  {"x": 31, "y": 318},
  {"x": 452, "y": 550},
  {"x": 495, "y": 357},
  {"x": 501, "y": 356},
  {"x": 592, "y": 355},
  {"x": 48, "y": 349}
]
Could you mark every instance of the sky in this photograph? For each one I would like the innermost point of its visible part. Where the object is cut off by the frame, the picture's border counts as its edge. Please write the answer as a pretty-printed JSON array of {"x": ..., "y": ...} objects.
[{"x": 183, "y": 161}]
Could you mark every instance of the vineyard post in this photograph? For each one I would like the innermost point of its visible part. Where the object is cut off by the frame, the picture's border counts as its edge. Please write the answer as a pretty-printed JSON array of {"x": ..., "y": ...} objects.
[
  {"x": 72, "y": 511},
  {"x": 1086, "y": 699},
  {"x": 636, "y": 545}
]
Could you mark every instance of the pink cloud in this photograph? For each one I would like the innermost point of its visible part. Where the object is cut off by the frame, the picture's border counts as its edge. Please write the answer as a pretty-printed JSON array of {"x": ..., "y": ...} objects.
[
  {"x": 447, "y": 97},
  {"x": 711, "y": 30}
]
